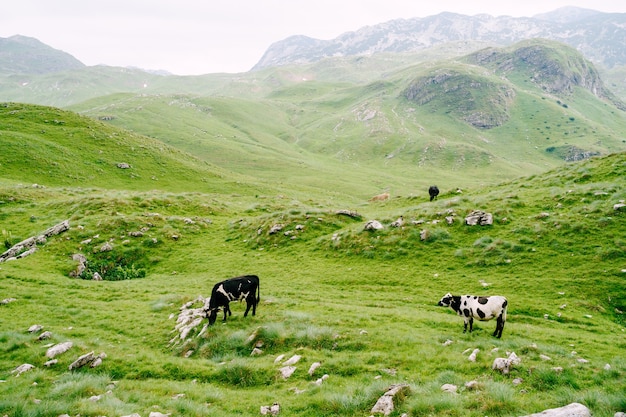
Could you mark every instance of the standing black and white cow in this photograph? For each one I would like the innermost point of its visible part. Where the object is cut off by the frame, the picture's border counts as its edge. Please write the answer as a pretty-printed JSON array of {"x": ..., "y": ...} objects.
[
  {"x": 245, "y": 287},
  {"x": 481, "y": 308},
  {"x": 433, "y": 192}
]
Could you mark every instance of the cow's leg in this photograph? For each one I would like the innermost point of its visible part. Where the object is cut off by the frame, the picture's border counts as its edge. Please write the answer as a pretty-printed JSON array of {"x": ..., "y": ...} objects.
[
  {"x": 471, "y": 323},
  {"x": 248, "y": 305},
  {"x": 465, "y": 320},
  {"x": 226, "y": 311},
  {"x": 499, "y": 326}
]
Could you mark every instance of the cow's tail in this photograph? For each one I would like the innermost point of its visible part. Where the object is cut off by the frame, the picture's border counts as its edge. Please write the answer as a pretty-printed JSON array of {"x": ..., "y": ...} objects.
[
  {"x": 504, "y": 308},
  {"x": 258, "y": 293}
]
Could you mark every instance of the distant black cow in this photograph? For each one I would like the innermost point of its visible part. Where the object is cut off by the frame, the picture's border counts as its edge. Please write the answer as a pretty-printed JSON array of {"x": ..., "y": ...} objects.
[
  {"x": 245, "y": 287},
  {"x": 433, "y": 191}
]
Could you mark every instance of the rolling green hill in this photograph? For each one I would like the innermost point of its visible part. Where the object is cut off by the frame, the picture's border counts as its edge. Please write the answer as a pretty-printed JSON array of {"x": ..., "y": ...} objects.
[
  {"x": 279, "y": 185},
  {"x": 451, "y": 122},
  {"x": 360, "y": 303},
  {"x": 46, "y": 146}
]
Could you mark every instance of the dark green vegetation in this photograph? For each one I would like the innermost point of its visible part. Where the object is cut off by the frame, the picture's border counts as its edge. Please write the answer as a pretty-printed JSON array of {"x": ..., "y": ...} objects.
[{"x": 210, "y": 176}]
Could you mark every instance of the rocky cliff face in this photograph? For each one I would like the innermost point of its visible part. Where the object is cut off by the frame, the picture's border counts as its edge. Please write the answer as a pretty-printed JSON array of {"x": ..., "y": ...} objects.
[{"x": 599, "y": 36}]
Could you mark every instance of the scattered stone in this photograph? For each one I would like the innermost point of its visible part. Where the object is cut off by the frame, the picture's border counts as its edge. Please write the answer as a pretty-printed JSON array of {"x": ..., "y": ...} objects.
[
  {"x": 297, "y": 390},
  {"x": 451, "y": 388},
  {"x": 571, "y": 410},
  {"x": 273, "y": 409},
  {"x": 313, "y": 367},
  {"x": 319, "y": 381},
  {"x": 373, "y": 225},
  {"x": 349, "y": 213},
  {"x": 275, "y": 229},
  {"x": 83, "y": 360},
  {"x": 558, "y": 369},
  {"x": 607, "y": 367},
  {"x": 158, "y": 414},
  {"x": 448, "y": 342},
  {"x": 82, "y": 263},
  {"x": 471, "y": 385},
  {"x": 45, "y": 335},
  {"x": 287, "y": 371},
  {"x": 51, "y": 362},
  {"x": 22, "y": 368},
  {"x": 384, "y": 404},
  {"x": 479, "y": 217},
  {"x": 58, "y": 349},
  {"x": 472, "y": 356},
  {"x": 256, "y": 352},
  {"x": 123, "y": 165},
  {"x": 504, "y": 365},
  {"x": 545, "y": 357},
  {"x": 35, "y": 328},
  {"x": 399, "y": 222},
  {"x": 293, "y": 360},
  {"x": 279, "y": 358},
  {"x": 7, "y": 301},
  {"x": 517, "y": 381}
]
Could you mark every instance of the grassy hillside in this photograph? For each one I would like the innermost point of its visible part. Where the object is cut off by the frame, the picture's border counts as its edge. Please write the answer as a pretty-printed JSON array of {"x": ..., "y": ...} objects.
[
  {"x": 211, "y": 178},
  {"x": 449, "y": 123},
  {"x": 363, "y": 304},
  {"x": 52, "y": 147}
]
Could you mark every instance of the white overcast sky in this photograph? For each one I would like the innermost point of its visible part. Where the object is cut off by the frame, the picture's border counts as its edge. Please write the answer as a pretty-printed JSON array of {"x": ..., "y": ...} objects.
[{"x": 208, "y": 36}]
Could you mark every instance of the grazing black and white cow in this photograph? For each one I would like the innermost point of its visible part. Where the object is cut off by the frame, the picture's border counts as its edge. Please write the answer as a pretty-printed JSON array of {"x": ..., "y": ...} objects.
[
  {"x": 433, "y": 191},
  {"x": 245, "y": 287},
  {"x": 472, "y": 307}
]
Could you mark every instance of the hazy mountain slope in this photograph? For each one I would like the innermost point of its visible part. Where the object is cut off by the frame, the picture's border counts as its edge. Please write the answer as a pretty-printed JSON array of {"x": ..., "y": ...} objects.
[
  {"x": 53, "y": 147},
  {"x": 460, "y": 122},
  {"x": 597, "y": 35},
  {"x": 24, "y": 55}
]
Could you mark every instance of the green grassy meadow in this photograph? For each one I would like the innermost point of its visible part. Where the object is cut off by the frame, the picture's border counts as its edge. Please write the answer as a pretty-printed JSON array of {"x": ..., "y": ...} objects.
[
  {"x": 213, "y": 164},
  {"x": 361, "y": 303}
]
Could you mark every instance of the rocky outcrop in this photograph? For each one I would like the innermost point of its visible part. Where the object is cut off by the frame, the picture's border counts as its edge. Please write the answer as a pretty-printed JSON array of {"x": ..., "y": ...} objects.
[
  {"x": 571, "y": 410},
  {"x": 29, "y": 246},
  {"x": 479, "y": 217}
]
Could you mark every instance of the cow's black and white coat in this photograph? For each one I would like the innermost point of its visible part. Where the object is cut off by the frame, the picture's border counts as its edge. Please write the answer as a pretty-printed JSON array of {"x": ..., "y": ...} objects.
[
  {"x": 245, "y": 287},
  {"x": 472, "y": 307}
]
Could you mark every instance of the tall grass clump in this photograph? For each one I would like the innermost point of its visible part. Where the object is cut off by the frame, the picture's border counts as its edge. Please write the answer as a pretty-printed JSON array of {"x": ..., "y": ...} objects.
[{"x": 244, "y": 374}]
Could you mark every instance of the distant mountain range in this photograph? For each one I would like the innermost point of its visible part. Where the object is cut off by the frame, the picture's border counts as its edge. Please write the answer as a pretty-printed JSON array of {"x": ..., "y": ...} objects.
[
  {"x": 600, "y": 37},
  {"x": 24, "y": 55}
]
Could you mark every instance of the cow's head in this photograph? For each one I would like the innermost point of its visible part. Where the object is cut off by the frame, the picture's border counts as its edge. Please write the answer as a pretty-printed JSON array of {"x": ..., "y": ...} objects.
[
  {"x": 445, "y": 300},
  {"x": 212, "y": 315}
]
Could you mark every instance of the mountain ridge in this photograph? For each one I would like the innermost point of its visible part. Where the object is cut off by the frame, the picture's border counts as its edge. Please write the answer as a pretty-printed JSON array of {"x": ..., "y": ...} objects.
[
  {"x": 595, "y": 34},
  {"x": 26, "y": 55}
]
